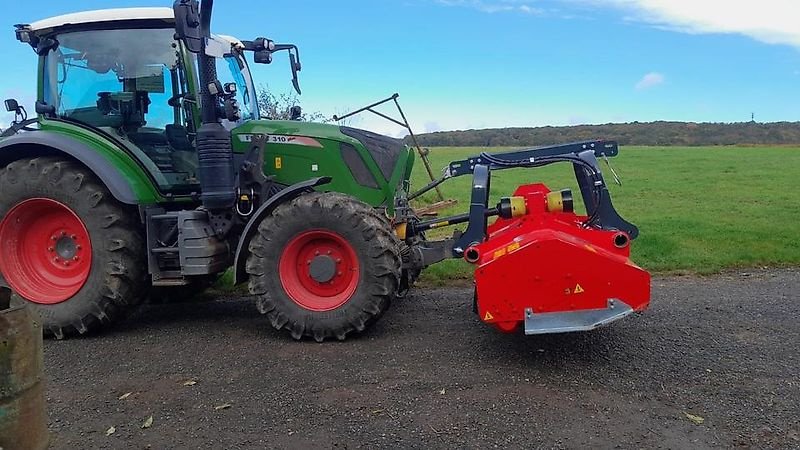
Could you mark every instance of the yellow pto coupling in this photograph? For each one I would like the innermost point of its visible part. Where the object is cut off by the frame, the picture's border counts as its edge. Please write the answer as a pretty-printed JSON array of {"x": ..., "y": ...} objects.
[
  {"x": 560, "y": 201},
  {"x": 511, "y": 207},
  {"x": 518, "y": 208}
]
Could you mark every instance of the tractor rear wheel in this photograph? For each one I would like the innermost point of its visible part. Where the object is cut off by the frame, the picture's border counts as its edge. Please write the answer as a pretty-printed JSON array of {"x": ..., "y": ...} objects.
[
  {"x": 69, "y": 248},
  {"x": 323, "y": 266}
]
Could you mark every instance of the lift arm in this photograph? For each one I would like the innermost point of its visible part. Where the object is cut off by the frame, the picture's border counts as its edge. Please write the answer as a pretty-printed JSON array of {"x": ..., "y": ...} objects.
[{"x": 583, "y": 157}]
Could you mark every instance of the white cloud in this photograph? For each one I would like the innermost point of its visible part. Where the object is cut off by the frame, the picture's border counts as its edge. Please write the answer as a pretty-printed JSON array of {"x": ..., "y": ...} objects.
[
  {"x": 770, "y": 21},
  {"x": 431, "y": 126},
  {"x": 649, "y": 80},
  {"x": 495, "y": 6},
  {"x": 577, "y": 120}
]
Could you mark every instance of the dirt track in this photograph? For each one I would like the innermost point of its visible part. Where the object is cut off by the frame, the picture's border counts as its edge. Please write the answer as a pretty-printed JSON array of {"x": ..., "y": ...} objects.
[{"x": 430, "y": 375}]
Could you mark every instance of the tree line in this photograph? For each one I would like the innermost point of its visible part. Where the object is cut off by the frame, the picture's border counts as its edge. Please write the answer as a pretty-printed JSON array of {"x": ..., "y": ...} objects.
[{"x": 635, "y": 133}]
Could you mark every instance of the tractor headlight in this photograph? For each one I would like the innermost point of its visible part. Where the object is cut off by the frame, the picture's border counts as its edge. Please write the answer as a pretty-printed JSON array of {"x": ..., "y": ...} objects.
[{"x": 23, "y": 33}]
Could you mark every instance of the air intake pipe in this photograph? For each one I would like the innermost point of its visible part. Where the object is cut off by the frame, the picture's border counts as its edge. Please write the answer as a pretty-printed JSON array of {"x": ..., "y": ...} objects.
[{"x": 214, "y": 151}]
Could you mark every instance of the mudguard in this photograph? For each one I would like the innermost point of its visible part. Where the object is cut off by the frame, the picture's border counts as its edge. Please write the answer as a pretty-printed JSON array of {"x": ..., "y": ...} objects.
[
  {"x": 287, "y": 194},
  {"x": 41, "y": 143}
]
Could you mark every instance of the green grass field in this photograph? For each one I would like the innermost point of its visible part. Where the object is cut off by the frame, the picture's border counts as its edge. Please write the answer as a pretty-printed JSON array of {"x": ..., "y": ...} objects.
[{"x": 699, "y": 209}]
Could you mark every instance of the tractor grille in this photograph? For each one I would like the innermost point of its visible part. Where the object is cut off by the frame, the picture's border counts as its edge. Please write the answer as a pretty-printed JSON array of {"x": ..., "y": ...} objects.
[{"x": 384, "y": 150}]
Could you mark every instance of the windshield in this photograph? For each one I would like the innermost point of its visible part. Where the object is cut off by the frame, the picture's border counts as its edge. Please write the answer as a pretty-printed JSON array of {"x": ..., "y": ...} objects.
[
  {"x": 233, "y": 69},
  {"x": 113, "y": 78}
]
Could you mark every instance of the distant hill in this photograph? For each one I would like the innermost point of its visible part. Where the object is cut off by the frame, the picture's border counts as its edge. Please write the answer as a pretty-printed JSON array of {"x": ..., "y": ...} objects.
[{"x": 635, "y": 133}]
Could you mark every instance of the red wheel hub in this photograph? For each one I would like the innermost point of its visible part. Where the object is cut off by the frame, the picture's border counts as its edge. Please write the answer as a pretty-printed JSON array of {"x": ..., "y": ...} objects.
[
  {"x": 319, "y": 270},
  {"x": 45, "y": 251}
]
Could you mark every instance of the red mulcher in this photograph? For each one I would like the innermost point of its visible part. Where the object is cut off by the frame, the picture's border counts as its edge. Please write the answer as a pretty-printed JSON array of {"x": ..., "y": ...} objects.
[
  {"x": 544, "y": 268},
  {"x": 540, "y": 265}
]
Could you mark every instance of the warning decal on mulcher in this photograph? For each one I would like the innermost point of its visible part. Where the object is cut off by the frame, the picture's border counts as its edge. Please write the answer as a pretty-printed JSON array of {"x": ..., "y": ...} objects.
[
  {"x": 488, "y": 316},
  {"x": 283, "y": 139},
  {"x": 578, "y": 290}
]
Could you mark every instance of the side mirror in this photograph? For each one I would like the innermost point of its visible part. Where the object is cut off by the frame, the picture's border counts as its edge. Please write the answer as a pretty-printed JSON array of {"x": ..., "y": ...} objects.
[
  {"x": 187, "y": 24},
  {"x": 11, "y": 105},
  {"x": 295, "y": 63}
]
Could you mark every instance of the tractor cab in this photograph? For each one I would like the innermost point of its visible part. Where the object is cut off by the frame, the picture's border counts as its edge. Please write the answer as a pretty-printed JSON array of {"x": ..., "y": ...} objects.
[{"x": 122, "y": 74}]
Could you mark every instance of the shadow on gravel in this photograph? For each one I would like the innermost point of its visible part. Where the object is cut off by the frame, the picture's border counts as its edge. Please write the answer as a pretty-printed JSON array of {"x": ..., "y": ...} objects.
[{"x": 594, "y": 346}]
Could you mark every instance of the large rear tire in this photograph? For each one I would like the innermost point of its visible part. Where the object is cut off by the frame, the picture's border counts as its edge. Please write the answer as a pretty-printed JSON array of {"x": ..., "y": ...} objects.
[
  {"x": 323, "y": 266},
  {"x": 69, "y": 248}
]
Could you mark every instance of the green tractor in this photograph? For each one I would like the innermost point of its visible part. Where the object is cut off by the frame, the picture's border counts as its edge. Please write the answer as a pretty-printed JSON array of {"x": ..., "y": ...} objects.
[
  {"x": 149, "y": 166},
  {"x": 148, "y": 171}
]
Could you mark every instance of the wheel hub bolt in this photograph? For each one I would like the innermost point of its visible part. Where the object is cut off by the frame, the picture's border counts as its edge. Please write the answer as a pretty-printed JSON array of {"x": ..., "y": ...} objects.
[
  {"x": 63, "y": 233},
  {"x": 73, "y": 237},
  {"x": 51, "y": 249},
  {"x": 75, "y": 258}
]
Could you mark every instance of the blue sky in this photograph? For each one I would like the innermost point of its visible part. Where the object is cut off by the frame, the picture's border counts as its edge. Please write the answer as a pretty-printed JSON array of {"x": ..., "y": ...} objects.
[{"x": 461, "y": 64}]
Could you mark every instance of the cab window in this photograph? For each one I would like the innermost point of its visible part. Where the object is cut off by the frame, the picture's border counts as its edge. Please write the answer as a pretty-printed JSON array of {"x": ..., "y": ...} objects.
[{"x": 127, "y": 83}]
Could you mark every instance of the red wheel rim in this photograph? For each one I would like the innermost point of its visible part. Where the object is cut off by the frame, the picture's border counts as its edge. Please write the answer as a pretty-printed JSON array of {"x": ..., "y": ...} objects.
[
  {"x": 45, "y": 251},
  {"x": 319, "y": 270}
]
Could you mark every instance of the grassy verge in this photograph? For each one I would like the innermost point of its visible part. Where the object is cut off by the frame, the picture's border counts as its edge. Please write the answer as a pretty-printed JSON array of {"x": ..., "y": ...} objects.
[{"x": 699, "y": 209}]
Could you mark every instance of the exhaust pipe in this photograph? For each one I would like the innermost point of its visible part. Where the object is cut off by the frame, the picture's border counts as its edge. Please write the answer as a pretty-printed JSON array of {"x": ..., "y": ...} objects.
[{"x": 214, "y": 151}]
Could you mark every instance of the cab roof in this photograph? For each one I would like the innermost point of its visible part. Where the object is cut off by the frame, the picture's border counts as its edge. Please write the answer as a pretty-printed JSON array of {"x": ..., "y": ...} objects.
[
  {"x": 104, "y": 15},
  {"x": 101, "y": 16}
]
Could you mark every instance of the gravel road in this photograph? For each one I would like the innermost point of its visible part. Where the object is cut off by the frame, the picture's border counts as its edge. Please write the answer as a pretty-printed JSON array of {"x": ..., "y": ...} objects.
[{"x": 722, "y": 349}]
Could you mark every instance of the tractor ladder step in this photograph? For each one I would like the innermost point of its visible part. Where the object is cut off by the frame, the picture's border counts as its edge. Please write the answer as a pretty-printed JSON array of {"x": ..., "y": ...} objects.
[{"x": 170, "y": 282}]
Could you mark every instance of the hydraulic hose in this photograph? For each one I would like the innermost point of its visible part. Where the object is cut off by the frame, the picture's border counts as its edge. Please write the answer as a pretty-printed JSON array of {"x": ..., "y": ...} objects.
[{"x": 592, "y": 171}]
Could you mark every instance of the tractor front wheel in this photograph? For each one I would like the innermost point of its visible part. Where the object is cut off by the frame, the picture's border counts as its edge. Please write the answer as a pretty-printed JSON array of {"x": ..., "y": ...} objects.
[
  {"x": 69, "y": 248},
  {"x": 323, "y": 266}
]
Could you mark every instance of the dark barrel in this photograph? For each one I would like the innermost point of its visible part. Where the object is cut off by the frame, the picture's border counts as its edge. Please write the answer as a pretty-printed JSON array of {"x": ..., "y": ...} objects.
[{"x": 23, "y": 420}]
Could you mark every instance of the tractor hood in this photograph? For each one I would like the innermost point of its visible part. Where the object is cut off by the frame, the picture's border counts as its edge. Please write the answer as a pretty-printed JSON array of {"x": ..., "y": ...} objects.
[
  {"x": 313, "y": 130},
  {"x": 289, "y": 128},
  {"x": 384, "y": 150}
]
